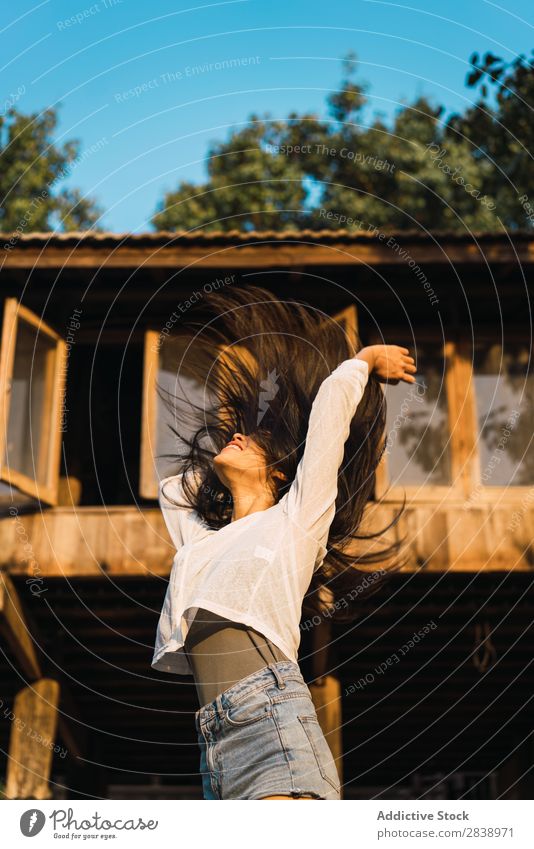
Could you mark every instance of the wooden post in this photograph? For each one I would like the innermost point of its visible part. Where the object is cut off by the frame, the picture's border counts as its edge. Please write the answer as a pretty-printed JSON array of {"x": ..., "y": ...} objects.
[
  {"x": 14, "y": 628},
  {"x": 32, "y": 740},
  {"x": 19, "y": 635},
  {"x": 326, "y": 695}
]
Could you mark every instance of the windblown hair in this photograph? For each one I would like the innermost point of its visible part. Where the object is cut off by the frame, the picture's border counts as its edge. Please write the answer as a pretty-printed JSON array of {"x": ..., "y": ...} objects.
[{"x": 262, "y": 361}]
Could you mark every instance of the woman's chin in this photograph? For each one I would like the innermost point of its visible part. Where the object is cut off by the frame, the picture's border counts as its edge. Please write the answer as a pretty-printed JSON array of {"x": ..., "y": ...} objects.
[
  {"x": 222, "y": 461},
  {"x": 225, "y": 470}
]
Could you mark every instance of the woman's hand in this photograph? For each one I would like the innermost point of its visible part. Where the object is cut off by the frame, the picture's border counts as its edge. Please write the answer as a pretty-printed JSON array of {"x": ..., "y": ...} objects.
[{"x": 389, "y": 363}]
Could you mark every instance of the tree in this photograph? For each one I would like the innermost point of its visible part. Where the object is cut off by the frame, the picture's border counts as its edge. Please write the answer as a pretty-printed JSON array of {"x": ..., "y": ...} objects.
[
  {"x": 31, "y": 166},
  {"x": 502, "y": 135},
  {"x": 249, "y": 187},
  {"x": 420, "y": 170}
]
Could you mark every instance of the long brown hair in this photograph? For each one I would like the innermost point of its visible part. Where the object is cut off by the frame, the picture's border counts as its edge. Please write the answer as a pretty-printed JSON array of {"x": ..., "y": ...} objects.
[{"x": 263, "y": 359}]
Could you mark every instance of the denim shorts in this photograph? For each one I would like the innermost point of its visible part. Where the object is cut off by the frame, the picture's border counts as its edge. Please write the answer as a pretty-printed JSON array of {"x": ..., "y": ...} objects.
[{"x": 261, "y": 737}]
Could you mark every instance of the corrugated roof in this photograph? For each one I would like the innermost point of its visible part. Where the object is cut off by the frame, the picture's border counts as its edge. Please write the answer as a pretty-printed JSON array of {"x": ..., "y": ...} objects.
[{"x": 163, "y": 237}]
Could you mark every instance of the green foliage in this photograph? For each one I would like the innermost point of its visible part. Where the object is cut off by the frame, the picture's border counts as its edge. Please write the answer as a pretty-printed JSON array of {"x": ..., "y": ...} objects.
[
  {"x": 423, "y": 170},
  {"x": 502, "y": 135},
  {"x": 31, "y": 166},
  {"x": 248, "y": 186}
]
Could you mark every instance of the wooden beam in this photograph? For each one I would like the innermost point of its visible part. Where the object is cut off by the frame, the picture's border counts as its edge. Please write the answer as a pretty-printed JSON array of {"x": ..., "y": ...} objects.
[
  {"x": 14, "y": 628},
  {"x": 32, "y": 741},
  {"x": 17, "y": 632},
  {"x": 122, "y": 541}
]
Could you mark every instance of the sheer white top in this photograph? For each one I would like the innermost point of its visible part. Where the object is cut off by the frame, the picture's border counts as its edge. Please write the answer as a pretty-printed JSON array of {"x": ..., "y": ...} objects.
[{"x": 257, "y": 569}]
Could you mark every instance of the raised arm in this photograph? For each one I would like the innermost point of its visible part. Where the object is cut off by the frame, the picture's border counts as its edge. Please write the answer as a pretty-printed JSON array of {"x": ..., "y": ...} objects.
[{"x": 311, "y": 498}]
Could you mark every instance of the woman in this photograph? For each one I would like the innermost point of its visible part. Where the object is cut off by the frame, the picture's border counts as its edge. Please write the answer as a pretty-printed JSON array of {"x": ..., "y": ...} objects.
[{"x": 264, "y": 515}]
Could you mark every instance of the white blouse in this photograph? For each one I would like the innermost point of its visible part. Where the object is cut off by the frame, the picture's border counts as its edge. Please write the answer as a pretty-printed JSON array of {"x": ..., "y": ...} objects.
[{"x": 257, "y": 569}]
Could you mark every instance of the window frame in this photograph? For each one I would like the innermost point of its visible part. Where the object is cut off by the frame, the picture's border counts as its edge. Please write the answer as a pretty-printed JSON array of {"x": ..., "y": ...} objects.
[
  {"x": 348, "y": 319},
  {"x": 476, "y": 490},
  {"x": 14, "y": 313},
  {"x": 148, "y": 483},
  {"x": 460, "y": 418}
]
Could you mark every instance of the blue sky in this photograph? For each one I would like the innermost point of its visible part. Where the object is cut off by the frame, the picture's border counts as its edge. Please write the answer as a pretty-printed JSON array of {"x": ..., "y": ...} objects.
[{"x": 86, "y": 57}]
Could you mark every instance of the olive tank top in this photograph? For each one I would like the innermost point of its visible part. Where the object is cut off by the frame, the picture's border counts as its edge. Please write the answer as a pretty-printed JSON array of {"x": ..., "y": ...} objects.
[{"x": 222, "y": 652}]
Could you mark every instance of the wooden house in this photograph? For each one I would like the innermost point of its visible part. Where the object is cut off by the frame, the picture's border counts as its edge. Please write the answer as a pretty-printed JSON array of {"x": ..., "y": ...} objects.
[{"x": 428, "y": 694}]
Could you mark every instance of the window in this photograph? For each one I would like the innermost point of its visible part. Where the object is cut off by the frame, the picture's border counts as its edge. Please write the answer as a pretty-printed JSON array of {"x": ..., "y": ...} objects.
[
  {"x": 503, "y": 386},
  {"x": 465, "y": 432},
  {"x": 32, "y": 374},
  {"x": 424, "y": 427},
  {"x": 174, "y": 379},
  {"x": 178, "y": 367}
]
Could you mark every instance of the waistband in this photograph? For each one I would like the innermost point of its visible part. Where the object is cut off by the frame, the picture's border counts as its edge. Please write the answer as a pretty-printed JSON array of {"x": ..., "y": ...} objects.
[{"x": 274, "y": 673}]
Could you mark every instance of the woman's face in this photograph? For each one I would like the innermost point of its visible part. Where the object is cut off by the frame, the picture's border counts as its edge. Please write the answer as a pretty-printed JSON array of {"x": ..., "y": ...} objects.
[
  {"x": 240, "y": 459},
  {"x": 241, "y": 454}
]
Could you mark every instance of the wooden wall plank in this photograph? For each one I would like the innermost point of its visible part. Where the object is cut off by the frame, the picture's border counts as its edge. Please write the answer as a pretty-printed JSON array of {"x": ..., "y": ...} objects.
[{"x": 90, "y": 541}]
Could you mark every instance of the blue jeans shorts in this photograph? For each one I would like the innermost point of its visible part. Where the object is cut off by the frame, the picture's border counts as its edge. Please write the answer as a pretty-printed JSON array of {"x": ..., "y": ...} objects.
[{"x": 261, "y": 737}]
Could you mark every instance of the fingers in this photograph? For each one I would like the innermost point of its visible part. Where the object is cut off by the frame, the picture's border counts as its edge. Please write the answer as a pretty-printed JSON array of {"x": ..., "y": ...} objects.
[
  {"x": 409, "y": 369},
  {"x": 408, "y": 366},
  {"x": 408, "y": 363},
  {"x": 395, "y": 364}
]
